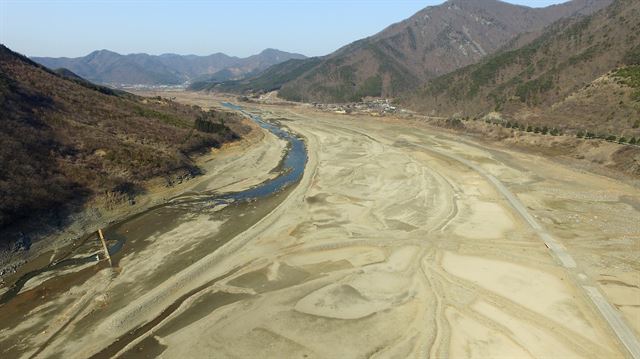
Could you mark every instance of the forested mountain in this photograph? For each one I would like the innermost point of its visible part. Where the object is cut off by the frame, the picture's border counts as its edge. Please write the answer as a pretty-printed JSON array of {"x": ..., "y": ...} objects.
[
  {"x": 434, "y": 41},
  {"x": 65, "y": 140},
  {"x": 579, "y": 74}
]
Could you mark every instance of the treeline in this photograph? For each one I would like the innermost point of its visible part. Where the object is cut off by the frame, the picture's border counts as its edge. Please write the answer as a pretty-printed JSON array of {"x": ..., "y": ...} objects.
[
  {"x": 214, "y": 121},
  {"x": 553, "y": 131}
]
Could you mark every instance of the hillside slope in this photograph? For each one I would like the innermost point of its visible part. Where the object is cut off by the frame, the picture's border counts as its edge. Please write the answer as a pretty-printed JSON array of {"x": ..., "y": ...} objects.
[
  {"x": 580, "y": 74},
  {"x": 271, "y": 79},
  {"x": 108, "y": 67},
  {"x": 434, "y": 41},
  {"x": 66, "y": 140}
]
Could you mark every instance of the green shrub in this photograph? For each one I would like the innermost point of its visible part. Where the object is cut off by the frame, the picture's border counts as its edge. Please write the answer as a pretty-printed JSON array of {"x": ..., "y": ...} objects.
[
  {"x": 347, "y": 73},
  {"x": 611, "y": 138},
  {"x": 204, "y": 125},
  {"x": 370, "y": 87},
  {"x": 632, "y": 57},
  {"x": 167, "y": 118},
  {"x": 528, "y": 91},
  {"x": 630, "y": 76}
]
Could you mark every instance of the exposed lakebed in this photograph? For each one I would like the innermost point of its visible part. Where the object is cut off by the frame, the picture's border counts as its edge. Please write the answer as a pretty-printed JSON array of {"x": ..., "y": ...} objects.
[{"x": 129, "y": 235}]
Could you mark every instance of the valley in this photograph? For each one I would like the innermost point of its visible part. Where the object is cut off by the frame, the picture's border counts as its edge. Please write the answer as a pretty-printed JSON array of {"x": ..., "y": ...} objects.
[
  {"x": 396, "y": 241},
  {"x": 436, "y": 179}
]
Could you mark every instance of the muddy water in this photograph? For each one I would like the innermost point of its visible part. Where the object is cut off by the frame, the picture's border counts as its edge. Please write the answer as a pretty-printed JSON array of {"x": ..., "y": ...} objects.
[{"x": 239, "y": 211}]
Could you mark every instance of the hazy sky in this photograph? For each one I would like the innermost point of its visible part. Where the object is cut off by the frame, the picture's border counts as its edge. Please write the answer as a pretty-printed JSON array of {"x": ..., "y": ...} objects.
[{"x": 243, "y": 27}]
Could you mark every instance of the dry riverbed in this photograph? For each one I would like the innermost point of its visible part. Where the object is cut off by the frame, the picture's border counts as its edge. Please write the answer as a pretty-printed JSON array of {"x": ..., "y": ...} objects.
[{"x": 389, "y": 246}]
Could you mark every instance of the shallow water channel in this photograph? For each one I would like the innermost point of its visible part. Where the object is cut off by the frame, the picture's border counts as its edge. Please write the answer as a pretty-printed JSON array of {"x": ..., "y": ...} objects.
[{"x": 162, "y": 217}]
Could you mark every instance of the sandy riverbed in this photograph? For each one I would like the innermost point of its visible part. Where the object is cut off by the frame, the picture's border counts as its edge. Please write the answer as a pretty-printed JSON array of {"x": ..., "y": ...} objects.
[{"x": 386, "y": 248}]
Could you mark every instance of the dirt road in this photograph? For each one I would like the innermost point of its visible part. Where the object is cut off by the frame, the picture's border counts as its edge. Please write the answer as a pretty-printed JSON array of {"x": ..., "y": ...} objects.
[{"x": 399, "y": 241}]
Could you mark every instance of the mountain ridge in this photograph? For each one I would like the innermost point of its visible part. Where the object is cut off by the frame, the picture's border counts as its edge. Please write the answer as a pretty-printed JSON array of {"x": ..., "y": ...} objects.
[
  {"x": 109, "y": 67},
  {"x": 554, "y": 80},
  {"x": 434, "y": 41}
]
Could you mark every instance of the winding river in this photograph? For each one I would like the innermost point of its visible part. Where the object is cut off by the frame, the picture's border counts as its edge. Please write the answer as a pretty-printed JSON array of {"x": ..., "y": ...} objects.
[{"x": 292, "y": 169}]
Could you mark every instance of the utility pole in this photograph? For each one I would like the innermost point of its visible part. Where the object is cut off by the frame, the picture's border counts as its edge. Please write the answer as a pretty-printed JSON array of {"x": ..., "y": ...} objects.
[{"x": 104, "y": 246}]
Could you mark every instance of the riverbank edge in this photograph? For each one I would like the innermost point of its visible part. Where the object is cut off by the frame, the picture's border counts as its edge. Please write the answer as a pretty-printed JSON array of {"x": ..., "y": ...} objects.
[{"x": 99, "y": 212}]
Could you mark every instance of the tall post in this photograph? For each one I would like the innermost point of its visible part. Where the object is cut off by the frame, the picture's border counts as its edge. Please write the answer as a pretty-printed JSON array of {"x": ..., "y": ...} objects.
[{"x": 104, "y": 246}]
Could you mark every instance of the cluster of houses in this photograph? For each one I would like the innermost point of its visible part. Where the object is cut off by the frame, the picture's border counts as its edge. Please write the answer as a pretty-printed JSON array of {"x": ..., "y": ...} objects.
[{"x": 375, "y": 107}]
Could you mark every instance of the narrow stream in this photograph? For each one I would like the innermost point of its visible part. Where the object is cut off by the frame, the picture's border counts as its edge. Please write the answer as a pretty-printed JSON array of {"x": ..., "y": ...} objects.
[{"x": 293, "y": 166}]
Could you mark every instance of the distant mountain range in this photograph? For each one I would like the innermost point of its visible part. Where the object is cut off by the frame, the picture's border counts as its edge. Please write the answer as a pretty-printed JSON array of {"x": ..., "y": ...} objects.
[
  {"x": 433, "y": 42},
  {"x": 108, "y": 67}
]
